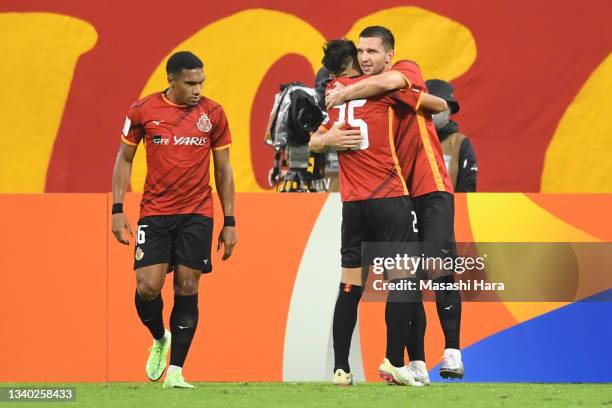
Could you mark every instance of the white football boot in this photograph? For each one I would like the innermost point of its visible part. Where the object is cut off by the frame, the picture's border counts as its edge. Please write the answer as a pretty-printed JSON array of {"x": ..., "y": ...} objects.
[
  {"x": 451, "y": 366},
  {"x": 418, "y": 369},
  {"x": 342, "y": 378},
  {"x": 397, "y": 375}
]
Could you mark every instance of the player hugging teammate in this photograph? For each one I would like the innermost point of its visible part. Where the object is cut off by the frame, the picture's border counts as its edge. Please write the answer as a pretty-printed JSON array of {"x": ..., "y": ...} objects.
[{"x": 394, "y": 156}]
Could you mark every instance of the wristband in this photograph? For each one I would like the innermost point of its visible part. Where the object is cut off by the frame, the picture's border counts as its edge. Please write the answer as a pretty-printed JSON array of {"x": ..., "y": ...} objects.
[
  {"x": 229, "y": 221},
  {"x": 117, "y": 208}
]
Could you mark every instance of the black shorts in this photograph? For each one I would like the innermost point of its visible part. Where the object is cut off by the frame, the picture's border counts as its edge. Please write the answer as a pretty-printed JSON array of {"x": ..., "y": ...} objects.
[
  {"x": 382, "y": 220},
  {"x": 436, "y": 223},
  {"x": 183, "y": 239}
]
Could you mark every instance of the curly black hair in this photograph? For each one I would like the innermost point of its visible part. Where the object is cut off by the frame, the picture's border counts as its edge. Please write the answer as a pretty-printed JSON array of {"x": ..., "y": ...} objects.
[{"x": 338, "y": 55}]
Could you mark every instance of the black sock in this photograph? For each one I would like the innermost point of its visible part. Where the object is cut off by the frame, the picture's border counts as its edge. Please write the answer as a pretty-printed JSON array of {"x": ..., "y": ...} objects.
[
  {"x": 448, "y": 304},
  {"x": 150, "y": 313},
  {"x": 416, "y": 335},
  {"x": 183, "y": 323},
  {"x": 399, "y": 313},
  {"x": 345, "y": 319}
]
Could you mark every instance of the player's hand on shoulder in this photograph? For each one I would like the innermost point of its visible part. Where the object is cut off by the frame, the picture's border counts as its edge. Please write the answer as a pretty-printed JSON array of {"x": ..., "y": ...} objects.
[
  {"x": 120, "y": 222},
  {"x": 334, "y": 96},
  {"x": 343, "y": 139},
  {"x": 228, "y": 239}
]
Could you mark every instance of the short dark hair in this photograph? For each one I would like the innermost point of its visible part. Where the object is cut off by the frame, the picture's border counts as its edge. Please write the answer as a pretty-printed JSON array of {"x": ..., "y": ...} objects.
[
  {"x": 380, "y": 32},
  {"x": 338, "y": 55},
  {"x": 182, "y": 60}
]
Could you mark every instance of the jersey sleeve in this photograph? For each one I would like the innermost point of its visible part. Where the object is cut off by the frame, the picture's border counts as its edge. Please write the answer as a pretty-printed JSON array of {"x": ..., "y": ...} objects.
[
  {"x": 133, "y": 131},
  {"x": 410, "y": 97},
  {"x": 411, "y": 73},
  {"x": 221, "y": 138}
]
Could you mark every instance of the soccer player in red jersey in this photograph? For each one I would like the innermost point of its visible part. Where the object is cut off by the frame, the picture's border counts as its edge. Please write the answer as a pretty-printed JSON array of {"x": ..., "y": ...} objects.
[
  {"x": 430, "y": 186},
  {"x": 375, "y": 203},
  {"x": 179, "y": 128}
]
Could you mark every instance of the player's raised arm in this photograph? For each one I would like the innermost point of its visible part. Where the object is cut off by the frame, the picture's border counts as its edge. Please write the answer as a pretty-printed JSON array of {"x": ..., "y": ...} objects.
[
  {"x": 376, "y": 85},
  {"x": 372, "y": 86},
  {"x": 121, "y": 180},
  {"x": 224, "y": 179}
]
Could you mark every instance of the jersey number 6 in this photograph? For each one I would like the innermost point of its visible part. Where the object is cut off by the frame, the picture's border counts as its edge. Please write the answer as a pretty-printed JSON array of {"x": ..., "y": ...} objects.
[
  {"x": 140, "y": 234},
  {"x": 360, "y": 123}
]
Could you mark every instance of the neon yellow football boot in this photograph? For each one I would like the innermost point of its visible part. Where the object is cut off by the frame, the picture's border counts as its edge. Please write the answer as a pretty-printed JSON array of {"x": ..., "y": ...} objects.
[
  {"x": 158, "y": 353},
  {"x": 175, "y": 379}
]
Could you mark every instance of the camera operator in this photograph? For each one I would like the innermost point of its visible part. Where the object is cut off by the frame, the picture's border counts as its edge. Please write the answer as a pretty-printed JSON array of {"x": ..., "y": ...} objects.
[
  {"x": 459, "y": 155},
  {"x": 297, "y": 112}
]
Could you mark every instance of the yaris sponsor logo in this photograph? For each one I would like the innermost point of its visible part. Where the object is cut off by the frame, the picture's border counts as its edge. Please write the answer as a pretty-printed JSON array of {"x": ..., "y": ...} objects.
[{"x": 190, "y": 141}]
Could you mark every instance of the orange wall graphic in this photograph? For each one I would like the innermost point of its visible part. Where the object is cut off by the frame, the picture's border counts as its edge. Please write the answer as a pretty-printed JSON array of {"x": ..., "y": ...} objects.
[{"x": 64, "y": 275}]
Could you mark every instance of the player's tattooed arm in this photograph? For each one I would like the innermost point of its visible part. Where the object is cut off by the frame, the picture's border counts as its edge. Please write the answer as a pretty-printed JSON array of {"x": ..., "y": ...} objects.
[
  {"x": 122, "y": 173},
  {"x": 224, "y": 180},
  {"x": 336, "y": 138}
]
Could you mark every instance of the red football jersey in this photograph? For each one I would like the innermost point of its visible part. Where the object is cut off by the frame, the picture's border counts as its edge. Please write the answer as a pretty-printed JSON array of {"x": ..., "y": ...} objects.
[
  {"x": 372, "y": 171},
  {"x": 417, "y": 143},
  {"x": 178, "y": 140}
]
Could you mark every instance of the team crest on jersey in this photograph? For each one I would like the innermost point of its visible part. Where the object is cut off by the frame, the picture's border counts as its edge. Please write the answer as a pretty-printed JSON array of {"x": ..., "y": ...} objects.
[
  {"x": 204, "y": 123},
  {"x": 139, "y": 254}
]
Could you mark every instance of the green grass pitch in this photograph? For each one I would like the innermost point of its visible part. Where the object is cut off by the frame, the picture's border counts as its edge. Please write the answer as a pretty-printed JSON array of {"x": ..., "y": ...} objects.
[{"x": 151, "y": 395}]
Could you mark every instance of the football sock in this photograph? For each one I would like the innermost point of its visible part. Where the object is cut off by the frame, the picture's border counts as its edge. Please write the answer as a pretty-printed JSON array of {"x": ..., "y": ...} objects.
[
  {"x": 173, "y": 368},
  {"x": 345, "y": 319},
  {"x": 399, "y": 313},
  {"x": 150, "y": 313},
  {"x": 164, "y": 339},
  {"x": 183, "y": 323},
  {"x": 448, "y": 304},
  {"x": 416, "y": 334}
]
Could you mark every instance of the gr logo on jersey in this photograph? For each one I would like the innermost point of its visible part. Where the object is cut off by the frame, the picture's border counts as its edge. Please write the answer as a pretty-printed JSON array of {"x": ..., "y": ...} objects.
[
  {"x": 189, "y": 141},
  {"x": 158, "y": 139},
  {"x": 204, "y": 123}
]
